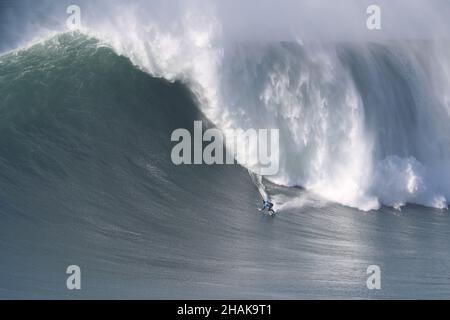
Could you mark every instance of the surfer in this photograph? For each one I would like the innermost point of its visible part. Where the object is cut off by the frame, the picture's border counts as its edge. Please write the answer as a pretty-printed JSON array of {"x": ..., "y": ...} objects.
[{"x": 267, "y": 205}]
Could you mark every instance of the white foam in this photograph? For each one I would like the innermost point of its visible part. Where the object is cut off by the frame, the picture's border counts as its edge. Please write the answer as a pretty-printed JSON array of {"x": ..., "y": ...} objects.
[{"x": 307, "y": 92}]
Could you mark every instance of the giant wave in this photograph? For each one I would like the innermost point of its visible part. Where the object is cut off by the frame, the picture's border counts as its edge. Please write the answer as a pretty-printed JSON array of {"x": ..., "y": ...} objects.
[{"x": 363, "y": 124}]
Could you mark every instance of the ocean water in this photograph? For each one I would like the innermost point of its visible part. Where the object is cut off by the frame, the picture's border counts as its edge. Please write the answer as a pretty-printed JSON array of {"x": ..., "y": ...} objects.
[{"x": 86, "y": 179}]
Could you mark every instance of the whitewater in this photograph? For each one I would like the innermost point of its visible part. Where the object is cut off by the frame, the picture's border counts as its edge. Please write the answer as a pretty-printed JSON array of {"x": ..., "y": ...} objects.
[{"x": 362, "y": 124}]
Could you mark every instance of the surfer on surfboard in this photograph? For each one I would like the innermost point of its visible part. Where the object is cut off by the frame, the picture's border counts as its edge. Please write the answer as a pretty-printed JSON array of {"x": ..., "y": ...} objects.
[{"x": 267, "y": 206}]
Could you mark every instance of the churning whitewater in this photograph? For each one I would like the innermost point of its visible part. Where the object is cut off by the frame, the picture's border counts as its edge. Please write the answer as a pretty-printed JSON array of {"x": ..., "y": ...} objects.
[{"x": 362, "y": 124}]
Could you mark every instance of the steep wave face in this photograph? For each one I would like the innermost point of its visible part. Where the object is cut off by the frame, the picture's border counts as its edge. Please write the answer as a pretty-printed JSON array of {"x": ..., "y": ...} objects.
[
  {"x": 361, "y": 124},
  {"x": 82, "y": 130},
  {"x": 86, "y": 177}
]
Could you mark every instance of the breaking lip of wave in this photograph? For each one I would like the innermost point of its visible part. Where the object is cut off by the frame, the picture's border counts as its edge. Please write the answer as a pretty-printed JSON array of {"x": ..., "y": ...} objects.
[{"x": 362, "y": 125}]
